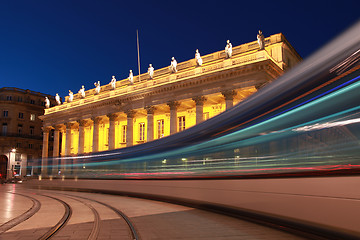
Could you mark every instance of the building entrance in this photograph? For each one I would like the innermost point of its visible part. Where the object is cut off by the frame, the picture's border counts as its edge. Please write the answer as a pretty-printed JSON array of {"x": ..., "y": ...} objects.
[{"x": 3, "y": 167}]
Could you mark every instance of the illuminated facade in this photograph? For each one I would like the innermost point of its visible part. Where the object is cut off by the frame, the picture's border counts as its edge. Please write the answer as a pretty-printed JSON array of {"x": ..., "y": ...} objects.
[{"x": 153, "y": 108}]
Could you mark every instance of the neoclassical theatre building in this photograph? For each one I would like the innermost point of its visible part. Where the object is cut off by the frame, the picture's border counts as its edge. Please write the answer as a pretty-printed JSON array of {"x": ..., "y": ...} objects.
[{"x": 138, "y": 110}]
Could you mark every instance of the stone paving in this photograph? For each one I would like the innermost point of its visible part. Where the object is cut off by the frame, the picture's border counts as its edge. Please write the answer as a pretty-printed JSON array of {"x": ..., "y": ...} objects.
[{"x": 152, "y": 219}]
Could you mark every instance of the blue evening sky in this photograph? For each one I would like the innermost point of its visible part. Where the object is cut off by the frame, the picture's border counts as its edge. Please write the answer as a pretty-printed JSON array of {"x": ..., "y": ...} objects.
[{"x": 51, "y": 46}]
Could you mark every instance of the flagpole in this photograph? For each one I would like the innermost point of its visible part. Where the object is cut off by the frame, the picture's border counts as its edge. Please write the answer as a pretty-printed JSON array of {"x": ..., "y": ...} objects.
[{"x": 137, "y": 37}]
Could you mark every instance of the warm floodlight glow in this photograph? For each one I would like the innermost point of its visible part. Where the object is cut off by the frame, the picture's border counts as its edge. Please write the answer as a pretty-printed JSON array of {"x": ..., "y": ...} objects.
[{"x": 13, "y": 150}]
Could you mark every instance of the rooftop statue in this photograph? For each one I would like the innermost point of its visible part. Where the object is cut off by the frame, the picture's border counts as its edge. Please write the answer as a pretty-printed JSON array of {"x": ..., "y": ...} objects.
[
  {"x": 198, "y": 58},
  {"x": 131, "y": 77},
  {"x": 71, "y": 96},
  {"x": 97, "y": 87},
  {"x": 82, "y": 91},
  {"x": 58, "y": 99},
  {"x": 173, "y": 65},
  {"x": 260, "y": 39},
  {"x": 228, "y": 49},
  {"x": 151, "y": 71},
  {"x": 113, "y": 82},
  {"x": 47, "y": 102}
]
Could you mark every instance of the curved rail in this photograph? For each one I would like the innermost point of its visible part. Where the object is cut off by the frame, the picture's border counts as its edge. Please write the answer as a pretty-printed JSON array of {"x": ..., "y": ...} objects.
[
  {"x": 133, "y": 231},
  {"x": 96, "y": 226},
  {"x": 19, "y": 219},
  {"x": 63, "y": 221}
]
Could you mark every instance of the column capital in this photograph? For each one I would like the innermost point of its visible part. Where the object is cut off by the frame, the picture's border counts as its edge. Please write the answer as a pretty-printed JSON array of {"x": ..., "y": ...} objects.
[
  {"x": 150, "y": 109},
  {"x": 46, "y": 129},
  {"x": 82, "y": 122},
  {"x": 229, "y": 94},
  {"x": 59, "y": 127},
  {"x": 112, "y": 116},
  {"x": 96, "y": 120},
  {"x": 130, "y": 113},
  {"x": 69, "y": 125},
  {"x": 173, "y": 104},
  {"x": 199, "y": 100}
]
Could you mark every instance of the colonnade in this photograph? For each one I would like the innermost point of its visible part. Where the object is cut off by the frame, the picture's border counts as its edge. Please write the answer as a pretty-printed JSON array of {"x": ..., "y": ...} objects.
[{"x": 91, "y": 134}]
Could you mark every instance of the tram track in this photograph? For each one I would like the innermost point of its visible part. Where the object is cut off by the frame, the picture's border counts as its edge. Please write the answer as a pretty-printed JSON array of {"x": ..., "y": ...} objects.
[
  {"x": 60, "y": 227},
  {"x": 63, "y": 221},
  {"x": 96, "y": 225},
  {"x": 133, "y": 232},
  {"x": 21, "y": 218}
]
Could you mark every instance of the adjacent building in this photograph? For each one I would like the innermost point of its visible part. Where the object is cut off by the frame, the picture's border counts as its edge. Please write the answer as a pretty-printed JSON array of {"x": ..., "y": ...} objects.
[
  {"x": 147, "y": 107},
  {"x": 21, "y": 131}
]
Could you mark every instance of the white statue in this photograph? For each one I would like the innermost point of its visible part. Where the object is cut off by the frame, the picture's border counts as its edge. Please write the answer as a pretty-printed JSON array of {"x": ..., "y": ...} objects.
[
  {"x": 173, "y": 65},
  {"x": 260, "y": 39},
  {"x": 47, "y": 102},
  {"x": 228, "y": 49},
  {"x": 131, "y": 77},
  {"x": 198, "y": 58},
  {"x": 97, "y": 87},
  {"x": 151, "y": 71},
  {"x": 71, "y": 96},
  {"x": 113, "y": 82},
  {"x": 58, "y": 100},
  {"x": 82, "y": 91}
]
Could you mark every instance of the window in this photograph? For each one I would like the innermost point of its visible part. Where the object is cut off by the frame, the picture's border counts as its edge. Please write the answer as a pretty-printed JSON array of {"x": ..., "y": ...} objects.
[
  {"x": 18, "y": 145},
  {"x": 32, "y": 130},
  {"x": 181, "y": 123},
  {"x": 5, "y": 113},
  {"x": 206, "y": 116},
  {"x": 160, "y": 128},
  {"x": 17, "y": 157},
  {"x": 30, "y": 145},
  {"x": 32, "y": 101},
  {"x": 19, "y": 99},
  {"x": 123, "y": 134},
  {"x": 20, "y": 126},
  {"x": 4, "y": 129},
  {"x": 21, "y": 115},
  {"x": 32, "y": 117},
  {"x": 142, "y": 131},
  {"x": 9, "y": 98}
]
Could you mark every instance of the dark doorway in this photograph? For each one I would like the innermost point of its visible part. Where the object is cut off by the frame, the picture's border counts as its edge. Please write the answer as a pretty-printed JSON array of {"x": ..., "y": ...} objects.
[{"x": 3, "y": 167}]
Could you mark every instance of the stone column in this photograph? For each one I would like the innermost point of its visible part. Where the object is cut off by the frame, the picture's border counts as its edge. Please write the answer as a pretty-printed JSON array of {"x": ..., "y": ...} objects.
[
  {"x": 229, "y": 97},
  {"x": 56, "y": 140},
  {"x": 95, "y": 147},
  {"x": 63, "y": 149},
  {"x": 199, "y": 100},
  {"x": 56, "y": 148},
  {"x": 150, "y": 123},
  {"x": 130, "y": 125},
  {"x": 68, "y": 139},
  {"x": 173, "y": 115},
  {"x": 82, "y": 124},
  {"x": 112, "y": 119},
  {"x": 45, "y": 147}
]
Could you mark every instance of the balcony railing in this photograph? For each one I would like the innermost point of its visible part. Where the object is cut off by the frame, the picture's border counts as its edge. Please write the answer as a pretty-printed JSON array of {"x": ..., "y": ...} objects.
[{"x": 17, "y": 135}]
